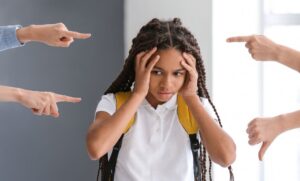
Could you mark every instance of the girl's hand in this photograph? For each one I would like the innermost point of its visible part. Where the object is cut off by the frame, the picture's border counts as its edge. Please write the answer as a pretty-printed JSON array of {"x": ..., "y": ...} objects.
[
  {"x": 189, "y": 87},
  {"x": 143, "y": 67}
]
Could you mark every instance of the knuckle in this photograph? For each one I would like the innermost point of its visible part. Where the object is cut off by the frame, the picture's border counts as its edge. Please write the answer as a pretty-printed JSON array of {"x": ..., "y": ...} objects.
[
  {"x": 60, "y": 24},
  {"x": 43, "y": 104},
  {"x": 255, "y": 122},
  {"x": 255, "y": 37}
]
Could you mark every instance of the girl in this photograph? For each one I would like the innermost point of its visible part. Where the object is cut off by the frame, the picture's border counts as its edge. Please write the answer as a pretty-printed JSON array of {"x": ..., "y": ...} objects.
[{"x": 163, "y": 66}]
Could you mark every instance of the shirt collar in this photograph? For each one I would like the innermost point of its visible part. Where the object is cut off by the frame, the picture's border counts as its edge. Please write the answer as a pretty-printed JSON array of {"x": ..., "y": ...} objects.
[{"x": 170, "y": 104}]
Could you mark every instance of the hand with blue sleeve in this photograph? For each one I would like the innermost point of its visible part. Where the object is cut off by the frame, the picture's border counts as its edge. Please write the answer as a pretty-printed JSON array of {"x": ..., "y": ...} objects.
[{"x": 56, "y": 35}]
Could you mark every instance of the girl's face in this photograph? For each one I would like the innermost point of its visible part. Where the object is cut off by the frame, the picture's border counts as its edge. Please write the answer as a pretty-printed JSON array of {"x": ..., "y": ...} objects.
[{"x": 167, "y": 76}]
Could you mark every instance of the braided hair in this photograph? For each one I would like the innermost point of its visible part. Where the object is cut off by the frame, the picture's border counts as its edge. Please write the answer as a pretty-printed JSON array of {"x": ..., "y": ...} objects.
[{"x": 164, "y": 35}]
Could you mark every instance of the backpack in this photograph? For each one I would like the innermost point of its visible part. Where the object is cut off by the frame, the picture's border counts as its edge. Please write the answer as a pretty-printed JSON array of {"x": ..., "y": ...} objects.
[{"x": 107, "y": 166}]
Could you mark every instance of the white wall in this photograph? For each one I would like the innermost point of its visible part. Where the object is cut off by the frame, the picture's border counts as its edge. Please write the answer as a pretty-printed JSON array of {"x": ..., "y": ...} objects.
[
  {"x": 194, "y": 14},
  {"x": 237, "y": 81}
]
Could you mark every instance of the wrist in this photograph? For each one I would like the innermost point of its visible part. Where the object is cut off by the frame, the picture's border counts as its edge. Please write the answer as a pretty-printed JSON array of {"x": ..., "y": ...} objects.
[
  {"x": 137, "y": 98},
  {"x": 25, "y": 34},
  {"x": 190, "y": 98},
  {"x": 138, "y": 95},
  {"x": 281, "y": 122},
  {"x": 18, "y": 95},
  {"x": 140, "y": 92},
  {"x": 279, "y": 53}
]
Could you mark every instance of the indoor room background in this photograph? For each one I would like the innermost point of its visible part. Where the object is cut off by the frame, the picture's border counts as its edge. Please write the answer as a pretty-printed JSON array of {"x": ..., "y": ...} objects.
[{"x": 37, "y": 148}]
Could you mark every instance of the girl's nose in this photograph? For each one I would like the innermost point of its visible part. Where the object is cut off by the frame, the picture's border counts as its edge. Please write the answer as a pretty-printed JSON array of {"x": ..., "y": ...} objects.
[{"x": 166, "y": 82}]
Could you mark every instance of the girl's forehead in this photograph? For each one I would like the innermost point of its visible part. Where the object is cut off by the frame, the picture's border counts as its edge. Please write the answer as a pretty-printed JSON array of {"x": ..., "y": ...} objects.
[{"x": 169, "y": 57}]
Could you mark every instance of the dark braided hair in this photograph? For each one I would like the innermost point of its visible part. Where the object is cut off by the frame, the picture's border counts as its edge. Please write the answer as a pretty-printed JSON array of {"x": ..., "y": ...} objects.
[{"x": 164, "y": 35}]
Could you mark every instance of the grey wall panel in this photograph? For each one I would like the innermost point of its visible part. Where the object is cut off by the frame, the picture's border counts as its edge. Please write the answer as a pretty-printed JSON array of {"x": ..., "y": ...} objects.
[{"x": 37, "y": 148}]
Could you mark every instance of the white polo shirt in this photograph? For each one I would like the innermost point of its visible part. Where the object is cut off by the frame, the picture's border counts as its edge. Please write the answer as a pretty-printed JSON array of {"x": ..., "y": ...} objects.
[{"x": 156, "y": 147}]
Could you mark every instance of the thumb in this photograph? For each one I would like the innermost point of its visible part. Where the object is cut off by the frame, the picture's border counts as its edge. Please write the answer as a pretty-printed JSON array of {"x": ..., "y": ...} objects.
[{"x": 265, "y": 145}]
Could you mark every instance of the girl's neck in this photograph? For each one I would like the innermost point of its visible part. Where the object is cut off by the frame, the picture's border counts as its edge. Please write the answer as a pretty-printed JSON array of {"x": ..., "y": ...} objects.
[{"x": 152, "y": 101}]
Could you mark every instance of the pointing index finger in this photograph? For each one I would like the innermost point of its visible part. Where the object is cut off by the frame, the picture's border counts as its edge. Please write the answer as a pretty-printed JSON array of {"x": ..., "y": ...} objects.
[
  {"x": 239, "y": 39},
  {"x": 77, "y": 35},
  {"x": 64, "y": 98}
]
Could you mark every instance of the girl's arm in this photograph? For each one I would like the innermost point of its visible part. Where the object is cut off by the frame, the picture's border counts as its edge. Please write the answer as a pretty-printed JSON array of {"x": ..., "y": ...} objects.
[
  {"x": 106, "y": 130},
  {"x": 217, "y": 142}
]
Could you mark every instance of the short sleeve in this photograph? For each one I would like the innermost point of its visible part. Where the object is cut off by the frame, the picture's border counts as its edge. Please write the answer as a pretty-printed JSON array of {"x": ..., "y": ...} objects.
[
  {"x": 208, "y": 107},
  {"x": 107, "y": 104}
]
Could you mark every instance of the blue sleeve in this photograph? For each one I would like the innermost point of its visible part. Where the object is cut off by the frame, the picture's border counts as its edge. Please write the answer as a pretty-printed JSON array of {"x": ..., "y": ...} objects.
[{"x": 8, "y": 37}]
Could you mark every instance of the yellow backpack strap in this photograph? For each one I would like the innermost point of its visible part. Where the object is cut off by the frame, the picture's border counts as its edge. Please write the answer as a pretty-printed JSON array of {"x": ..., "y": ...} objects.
[
  {"x": 121, "y": 97},
  {"x": 186, "y": 119},
  {"x": 190, "y": 125}
]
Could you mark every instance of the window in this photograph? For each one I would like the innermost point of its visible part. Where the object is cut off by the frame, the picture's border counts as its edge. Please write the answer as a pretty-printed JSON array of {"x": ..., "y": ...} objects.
[
  {"x": 281, "y": 91},
  {"x": 236, "y": 82},
  {"x": 244, "y": 89}
]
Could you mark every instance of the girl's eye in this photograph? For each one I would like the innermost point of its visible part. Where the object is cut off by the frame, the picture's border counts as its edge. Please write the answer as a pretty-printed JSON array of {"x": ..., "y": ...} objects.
[
  {"x": 156, "y": 72},
  {"x": 177, "y": 74}
]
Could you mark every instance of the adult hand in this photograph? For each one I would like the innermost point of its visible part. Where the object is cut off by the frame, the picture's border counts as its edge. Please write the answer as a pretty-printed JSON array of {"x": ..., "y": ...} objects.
[
  {"x": 56, "y": 35},
  {"x": 44, "y": 103},
  {"x": 259, "y": 46},
  {"x": 263, "y": 130}
]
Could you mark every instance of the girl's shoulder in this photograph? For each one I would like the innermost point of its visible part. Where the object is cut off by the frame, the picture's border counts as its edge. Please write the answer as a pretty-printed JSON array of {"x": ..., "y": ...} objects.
[
  {"x": 107, "y": 103},
  {"x": 108, "y": 96},
  {"x": 113, "y": 97}
]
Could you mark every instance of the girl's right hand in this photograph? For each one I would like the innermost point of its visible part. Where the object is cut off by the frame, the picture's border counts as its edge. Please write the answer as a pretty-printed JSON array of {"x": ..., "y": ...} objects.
[{"x": 143, "y": 67}]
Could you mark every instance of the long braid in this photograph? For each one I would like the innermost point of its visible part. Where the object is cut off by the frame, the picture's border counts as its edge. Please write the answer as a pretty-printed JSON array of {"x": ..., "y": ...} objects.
[
  {"x": 193, "y": 48},
  {"x": 203, "y": 156},
  {"x": 164, "y": 35},
  {"x": 146, "y": 39},
  {"x": 209, "y": 169}
]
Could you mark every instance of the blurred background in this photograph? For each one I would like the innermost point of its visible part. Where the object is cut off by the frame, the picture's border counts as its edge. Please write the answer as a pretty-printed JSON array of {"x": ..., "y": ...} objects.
[{"x": 43, "y": 148}]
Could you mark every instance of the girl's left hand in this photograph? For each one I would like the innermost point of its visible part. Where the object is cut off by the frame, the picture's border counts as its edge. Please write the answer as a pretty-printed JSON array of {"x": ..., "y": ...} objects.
[{"x": 189, "y": 87}]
